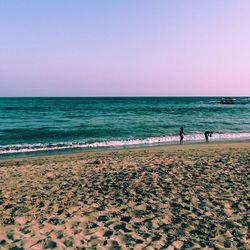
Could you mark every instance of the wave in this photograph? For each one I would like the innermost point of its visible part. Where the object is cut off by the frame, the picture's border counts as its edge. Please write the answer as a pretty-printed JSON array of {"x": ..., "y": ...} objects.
[{"x": 26, "y": 148}]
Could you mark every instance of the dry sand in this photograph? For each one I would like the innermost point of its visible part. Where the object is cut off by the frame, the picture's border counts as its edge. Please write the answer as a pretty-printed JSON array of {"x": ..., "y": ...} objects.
[{"x": 175, "y": 197}]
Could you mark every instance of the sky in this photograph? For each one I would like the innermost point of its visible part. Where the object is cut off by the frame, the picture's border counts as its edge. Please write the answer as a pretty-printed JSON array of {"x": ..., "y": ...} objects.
[{"x": 124, "y": 48}]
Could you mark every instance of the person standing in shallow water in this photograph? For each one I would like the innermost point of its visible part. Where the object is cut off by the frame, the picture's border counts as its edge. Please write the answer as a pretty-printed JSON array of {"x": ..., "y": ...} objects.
[
  {"x": 208, "y": 133},
  {"x": 181, "y": 135}
]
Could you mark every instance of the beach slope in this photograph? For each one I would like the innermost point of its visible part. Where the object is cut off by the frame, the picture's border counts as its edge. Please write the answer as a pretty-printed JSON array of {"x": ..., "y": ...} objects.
[{"x": 174, "y": 197}]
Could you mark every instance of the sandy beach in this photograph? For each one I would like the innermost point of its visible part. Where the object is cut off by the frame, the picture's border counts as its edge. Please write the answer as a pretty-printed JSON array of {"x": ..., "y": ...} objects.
[{"x": 168, "y": 197}]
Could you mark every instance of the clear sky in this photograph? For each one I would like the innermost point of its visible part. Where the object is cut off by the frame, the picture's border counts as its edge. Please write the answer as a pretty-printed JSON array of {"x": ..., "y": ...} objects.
[{"x": 124, "y": 47}]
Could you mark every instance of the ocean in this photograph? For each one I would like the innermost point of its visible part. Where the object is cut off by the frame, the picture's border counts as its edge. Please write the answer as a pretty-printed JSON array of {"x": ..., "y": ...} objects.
[{"x": 33, "y": 126}]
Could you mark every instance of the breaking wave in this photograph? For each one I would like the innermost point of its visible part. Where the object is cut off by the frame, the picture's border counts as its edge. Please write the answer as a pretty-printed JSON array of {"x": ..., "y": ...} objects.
[{"x": 37, "y": 147}]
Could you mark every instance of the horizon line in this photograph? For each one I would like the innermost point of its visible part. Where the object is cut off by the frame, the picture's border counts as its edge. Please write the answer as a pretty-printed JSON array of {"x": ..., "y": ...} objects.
[{"x": 118, "y": 96}]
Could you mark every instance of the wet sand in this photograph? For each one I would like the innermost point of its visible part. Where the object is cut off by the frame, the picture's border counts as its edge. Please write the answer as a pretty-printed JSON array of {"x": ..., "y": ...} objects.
[{"x": 175, "y": 197}]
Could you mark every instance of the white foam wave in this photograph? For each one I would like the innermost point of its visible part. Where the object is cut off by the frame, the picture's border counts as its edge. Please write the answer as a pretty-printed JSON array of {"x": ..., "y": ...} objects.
[{"x": 25, "y": 148}]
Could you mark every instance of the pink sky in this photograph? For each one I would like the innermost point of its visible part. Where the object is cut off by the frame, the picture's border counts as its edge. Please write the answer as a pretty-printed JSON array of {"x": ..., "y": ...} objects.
[{"x": 123, "y": 48}]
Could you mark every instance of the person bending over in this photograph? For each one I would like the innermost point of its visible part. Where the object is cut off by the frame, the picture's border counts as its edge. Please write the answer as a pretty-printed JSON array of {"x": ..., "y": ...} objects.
[{"x": 208, "y": 134}]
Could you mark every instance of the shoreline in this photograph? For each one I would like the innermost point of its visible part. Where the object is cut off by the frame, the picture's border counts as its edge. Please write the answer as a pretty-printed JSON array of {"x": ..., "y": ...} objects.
[{"x": 111, "y": 149}]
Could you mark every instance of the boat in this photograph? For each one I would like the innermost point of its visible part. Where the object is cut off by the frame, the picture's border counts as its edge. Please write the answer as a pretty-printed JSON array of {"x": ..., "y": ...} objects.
[{"x": 227, "y": 100}]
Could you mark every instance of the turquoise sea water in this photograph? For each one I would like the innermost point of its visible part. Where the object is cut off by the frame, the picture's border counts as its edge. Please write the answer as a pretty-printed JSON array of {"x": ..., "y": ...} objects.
[{"x": 32, "y": 125}]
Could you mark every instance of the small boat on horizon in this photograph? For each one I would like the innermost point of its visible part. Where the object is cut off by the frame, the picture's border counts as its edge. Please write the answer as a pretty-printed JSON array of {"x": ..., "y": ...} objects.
[{"x": 227, "y": 100}]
